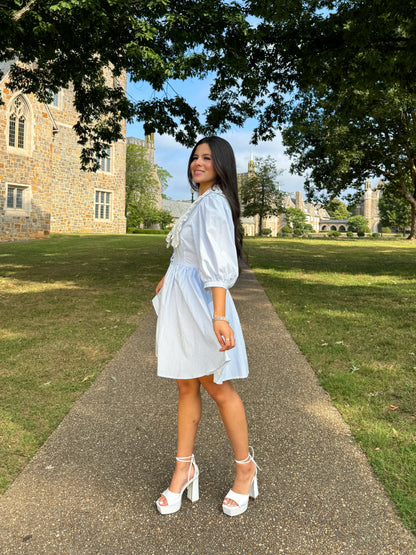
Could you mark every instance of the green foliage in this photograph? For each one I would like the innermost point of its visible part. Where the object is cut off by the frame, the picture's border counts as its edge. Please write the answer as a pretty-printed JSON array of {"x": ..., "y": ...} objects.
[
  {"x": 163, "y": 176},
  {"x": 142, "y": 190},
  {"x": 287, "y": 229},
  {"x": 138, "y": 231},
  {"x": 350, "y": 234},
  {"x": 296, "y": 218},
  {"x": 394, "y": 209},
  {"x": 73, "y": 42},
  {"x": 337, "y": 209},
  {"x": 385, "y": 230},
  {"x": 266, "y": 231},
  {"x": 334, "y": 233},
  {"x": 165, "y": 218},
  {"x": 259, "y": 192},
  {"x": 351, "y": 114},
  {"x": 375, "y": 235},
  {"x": 356, "y": 222},
  {"x": 361, "y": 233}
]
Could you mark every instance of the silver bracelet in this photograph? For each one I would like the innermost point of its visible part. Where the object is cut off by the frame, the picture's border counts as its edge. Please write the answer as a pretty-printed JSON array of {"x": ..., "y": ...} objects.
[{"x": 218, "y": 318}]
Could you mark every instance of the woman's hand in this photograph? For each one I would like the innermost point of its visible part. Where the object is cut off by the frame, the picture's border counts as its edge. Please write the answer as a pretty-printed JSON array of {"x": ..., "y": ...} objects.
[
  {"x": 225, "y": 335},
  {"x": 160, "y": 285}
]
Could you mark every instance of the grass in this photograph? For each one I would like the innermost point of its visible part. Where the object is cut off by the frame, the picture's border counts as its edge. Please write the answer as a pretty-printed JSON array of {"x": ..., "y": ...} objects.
[
  {"x": 67, "y": 304},
  {"x": 351, "y": 308}
]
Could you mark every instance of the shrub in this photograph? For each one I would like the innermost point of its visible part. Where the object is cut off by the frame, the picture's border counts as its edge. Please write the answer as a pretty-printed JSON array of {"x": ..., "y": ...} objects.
[
  {"x": 148, "y": 231},
  {"x": 266, "y": 231},
  {"x": 287, "y": 229},
  {"x": 375, "y": 235},
  {"x": 297, "y": 232},
  {"x": 350, "y": 234},
  {"x": 385, "y": 230},
  {"x": 361, "y": 233}
]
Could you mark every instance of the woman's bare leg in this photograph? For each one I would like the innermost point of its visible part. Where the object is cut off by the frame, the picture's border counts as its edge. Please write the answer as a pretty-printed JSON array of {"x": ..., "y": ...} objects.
[
  {"x": 233, "y": 416},
  {"x": 189, "y": 415}
]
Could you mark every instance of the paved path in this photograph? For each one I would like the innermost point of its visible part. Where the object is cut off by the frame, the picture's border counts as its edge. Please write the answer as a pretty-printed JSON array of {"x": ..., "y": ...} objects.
[{"x": 91, "y": 488}]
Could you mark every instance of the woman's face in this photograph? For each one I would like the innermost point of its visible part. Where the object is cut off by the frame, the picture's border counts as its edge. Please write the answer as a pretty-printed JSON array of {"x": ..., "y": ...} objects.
[{"x": 202, "y": 168}]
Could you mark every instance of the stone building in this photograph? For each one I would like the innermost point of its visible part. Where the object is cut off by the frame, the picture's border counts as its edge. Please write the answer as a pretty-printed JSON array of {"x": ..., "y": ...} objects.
[
  {"x": 314, "y": 213},
  {"x": 368, "y": 204},
  {"x": 42, "y": 188},
  {"x": 175, "y": 207}
]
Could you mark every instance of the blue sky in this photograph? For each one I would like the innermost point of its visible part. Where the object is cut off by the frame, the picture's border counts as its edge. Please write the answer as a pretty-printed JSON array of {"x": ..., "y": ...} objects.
[{"x": 173, "y": 157}]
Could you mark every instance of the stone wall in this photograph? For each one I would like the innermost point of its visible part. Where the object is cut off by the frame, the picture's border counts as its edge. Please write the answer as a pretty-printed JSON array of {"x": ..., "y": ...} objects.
[
  {"x": 28, "y": 168},
  {"x": 58, "y": 195}
]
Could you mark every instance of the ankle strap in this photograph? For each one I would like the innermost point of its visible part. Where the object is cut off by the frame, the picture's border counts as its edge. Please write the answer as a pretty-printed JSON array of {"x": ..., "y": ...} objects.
[
  {"x": 249, "y": 458},
  {"x": 189, "y": 459}
]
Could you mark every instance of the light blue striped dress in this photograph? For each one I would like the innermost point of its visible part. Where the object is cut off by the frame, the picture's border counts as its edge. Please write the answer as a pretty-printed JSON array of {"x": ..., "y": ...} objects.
[{"x": 204, "y": 256}]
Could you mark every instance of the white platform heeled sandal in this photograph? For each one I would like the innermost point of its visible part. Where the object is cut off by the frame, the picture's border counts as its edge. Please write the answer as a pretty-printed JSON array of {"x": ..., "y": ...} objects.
[
  {"x": 175, "y": 499},
  {"x": 239, "y": 498}
]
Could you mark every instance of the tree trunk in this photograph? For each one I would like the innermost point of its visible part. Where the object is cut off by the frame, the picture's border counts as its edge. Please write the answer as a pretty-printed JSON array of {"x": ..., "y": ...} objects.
[
  {"x": 260, "y": 224},
  {"x": 412, "y": 200},
  {"x": 412, "y": 235}
]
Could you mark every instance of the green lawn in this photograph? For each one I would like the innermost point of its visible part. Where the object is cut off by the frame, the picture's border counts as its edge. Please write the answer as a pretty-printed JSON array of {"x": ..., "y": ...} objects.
[
  {"x": 67, "y": 304},
  {"x": 351, "y": 308}
]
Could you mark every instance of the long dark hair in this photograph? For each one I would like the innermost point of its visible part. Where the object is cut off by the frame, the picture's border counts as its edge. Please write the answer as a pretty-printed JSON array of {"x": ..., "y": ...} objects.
[{"x": 225, "y": 166}]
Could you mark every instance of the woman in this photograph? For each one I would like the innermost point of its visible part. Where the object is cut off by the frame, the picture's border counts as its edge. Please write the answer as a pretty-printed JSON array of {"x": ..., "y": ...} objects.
[{"x": 199, "y": 339}]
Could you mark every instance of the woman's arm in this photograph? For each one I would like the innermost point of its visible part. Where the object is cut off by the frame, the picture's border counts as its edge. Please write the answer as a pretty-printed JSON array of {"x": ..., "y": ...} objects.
[
  {"x": 222, "y": 328},
  {"x": 160, "y": 285}
]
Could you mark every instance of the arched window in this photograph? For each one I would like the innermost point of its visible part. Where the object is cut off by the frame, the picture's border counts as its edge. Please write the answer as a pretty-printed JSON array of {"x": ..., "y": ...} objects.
[{"x": 19, "y": 124}]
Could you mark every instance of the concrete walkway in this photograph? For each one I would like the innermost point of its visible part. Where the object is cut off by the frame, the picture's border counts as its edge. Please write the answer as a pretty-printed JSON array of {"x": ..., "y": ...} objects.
[{"x": 92, "y": 486}]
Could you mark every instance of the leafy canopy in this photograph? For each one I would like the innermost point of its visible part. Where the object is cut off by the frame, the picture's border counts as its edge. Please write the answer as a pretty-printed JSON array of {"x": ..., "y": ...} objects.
[
  {"x": 394, "y": 210},
  {"x": 339, "y": 78},
  {"x": 71, "y": 43}
]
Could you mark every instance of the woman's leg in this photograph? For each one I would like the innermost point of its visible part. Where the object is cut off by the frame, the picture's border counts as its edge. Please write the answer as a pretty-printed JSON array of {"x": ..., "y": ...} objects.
[
  {"x": 233, "y": 416},
  {"x": 189, "y": 415}
]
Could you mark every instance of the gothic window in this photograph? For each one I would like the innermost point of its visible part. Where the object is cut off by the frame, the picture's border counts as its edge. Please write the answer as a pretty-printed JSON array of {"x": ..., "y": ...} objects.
[
  {"x": 19, "y": 124},
  {"x": 102, "y": 205}
]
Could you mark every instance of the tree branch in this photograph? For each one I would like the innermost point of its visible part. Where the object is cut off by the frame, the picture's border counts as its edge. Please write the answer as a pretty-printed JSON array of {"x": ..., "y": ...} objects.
[{"x": 23, "y": 10}]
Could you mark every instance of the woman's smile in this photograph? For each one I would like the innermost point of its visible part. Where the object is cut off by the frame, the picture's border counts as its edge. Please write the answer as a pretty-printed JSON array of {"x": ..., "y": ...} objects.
[{"x": 202, "y": 168}]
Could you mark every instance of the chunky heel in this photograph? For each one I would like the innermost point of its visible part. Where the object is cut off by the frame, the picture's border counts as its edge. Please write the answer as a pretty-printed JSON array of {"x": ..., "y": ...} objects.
[
  {"x": 240, "y": 498},
  {"x": 254, "y": 488},
  {"x": 174, "y": 500},
  {"x": 193, "y": 490}
]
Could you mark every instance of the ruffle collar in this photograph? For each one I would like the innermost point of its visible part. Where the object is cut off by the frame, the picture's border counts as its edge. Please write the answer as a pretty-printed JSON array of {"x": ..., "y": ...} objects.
[{"x": 172, "y": 238}]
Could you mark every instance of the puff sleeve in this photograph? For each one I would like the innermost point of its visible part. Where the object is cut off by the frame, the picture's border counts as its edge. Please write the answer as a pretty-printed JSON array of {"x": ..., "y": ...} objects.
[{"x": 215, "y": 243}]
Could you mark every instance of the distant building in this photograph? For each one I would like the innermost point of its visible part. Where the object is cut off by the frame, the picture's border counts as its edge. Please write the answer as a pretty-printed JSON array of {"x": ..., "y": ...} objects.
[
  {"x": 42, "y": 188},
  {"x": 314, "y": 213},
  {"x": 368, "y": 204},
  {"x": 175, "y": 207}
]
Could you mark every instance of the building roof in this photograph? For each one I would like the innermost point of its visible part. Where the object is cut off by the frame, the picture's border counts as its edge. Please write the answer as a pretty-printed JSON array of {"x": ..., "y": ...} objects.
[{"x": 175, "y": 207}]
